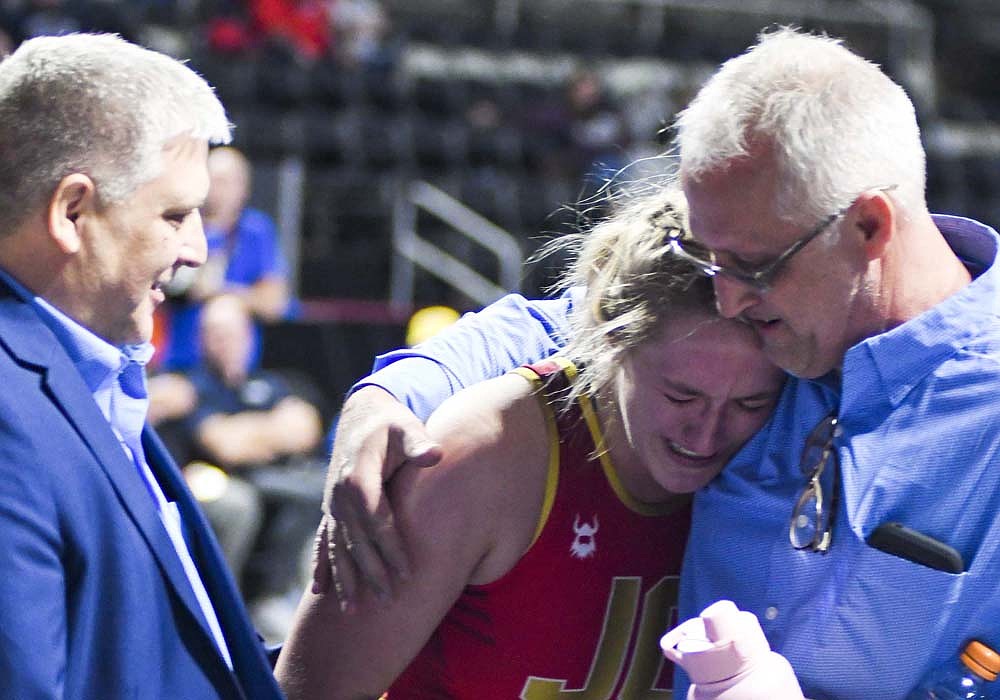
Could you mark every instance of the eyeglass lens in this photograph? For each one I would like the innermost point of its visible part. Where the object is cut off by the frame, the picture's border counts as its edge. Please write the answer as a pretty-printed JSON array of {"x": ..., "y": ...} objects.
[{"x": 811, "y": 524}]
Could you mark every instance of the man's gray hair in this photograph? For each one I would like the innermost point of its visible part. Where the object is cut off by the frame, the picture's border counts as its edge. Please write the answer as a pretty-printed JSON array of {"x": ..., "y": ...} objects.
[
  {"x": 94, "y": 104},
  {"x": 836, "y": 124}
]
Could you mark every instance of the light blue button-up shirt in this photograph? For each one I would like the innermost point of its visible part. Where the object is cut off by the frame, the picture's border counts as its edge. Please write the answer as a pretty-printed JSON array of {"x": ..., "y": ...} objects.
[
  {"x": 101, "y": 365},
  {"x": 502, "y": 336},
  {"x": 920, "y": 411},
  {"x": 919, "y": 407}
]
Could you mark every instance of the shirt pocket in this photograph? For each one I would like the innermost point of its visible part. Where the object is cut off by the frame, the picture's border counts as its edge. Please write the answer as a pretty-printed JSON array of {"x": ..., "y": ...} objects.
[
  {"x": 913, "y": 597},
  {"x": 887, "y": 613}
]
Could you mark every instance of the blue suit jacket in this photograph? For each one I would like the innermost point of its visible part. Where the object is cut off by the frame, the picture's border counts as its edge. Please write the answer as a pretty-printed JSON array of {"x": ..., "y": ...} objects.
[{"x": 94, "y": 603}]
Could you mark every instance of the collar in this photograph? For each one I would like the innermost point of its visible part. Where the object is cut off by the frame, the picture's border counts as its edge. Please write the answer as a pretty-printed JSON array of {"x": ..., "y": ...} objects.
[
  {"x": 898, "y": 360},
  {"x": 95, "y": 358}
]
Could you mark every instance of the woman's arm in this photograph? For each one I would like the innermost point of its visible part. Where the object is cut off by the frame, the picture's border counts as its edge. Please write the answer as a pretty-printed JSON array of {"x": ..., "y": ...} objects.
[
  {"x": 466, "y": 520},
  {"x": 380, "y": 429}
]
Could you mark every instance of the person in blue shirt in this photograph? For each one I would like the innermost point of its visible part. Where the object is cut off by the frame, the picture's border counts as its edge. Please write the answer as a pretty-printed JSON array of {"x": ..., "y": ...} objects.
[
  {"x": 234, "y": 418},
  {"x": 805, "y": 175},
  {"x": 244, "y": 258},
  {"x": 249, "y": 443},
  {"x": 615, "y": 433}
]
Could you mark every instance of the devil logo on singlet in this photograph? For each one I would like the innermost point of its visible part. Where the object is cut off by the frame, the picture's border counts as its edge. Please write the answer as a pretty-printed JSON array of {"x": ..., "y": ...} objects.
[{"x": 584, "y": 543}]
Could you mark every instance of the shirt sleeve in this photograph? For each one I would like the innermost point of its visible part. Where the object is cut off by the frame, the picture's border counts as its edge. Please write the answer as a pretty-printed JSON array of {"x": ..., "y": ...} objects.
[
  {"x": 482, "y": 345},
  {"x": 273, "y": 263},
  {"x": 257, "y": 254}
]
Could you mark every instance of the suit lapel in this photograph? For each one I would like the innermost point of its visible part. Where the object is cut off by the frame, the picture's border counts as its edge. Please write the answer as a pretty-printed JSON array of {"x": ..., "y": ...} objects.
[
  {"x": 249, "y": 660},
  {"x": 201, "y": 542}
]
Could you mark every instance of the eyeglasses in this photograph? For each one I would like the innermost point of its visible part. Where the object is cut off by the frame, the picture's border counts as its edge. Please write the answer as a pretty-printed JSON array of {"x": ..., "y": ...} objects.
[
  {"x": 761, "y": 277},
  {"x": 811, "y": 526}
]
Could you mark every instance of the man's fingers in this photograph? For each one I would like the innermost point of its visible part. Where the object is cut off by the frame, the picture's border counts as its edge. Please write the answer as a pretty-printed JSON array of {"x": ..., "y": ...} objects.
[
  {"x": 376, "y": 435},
  {"x": 356, "y": 542},
  {"x": 420, "y": 452},
  {"x": 321, "y": 562},
  {"x": 389, "y": 543},
  {"x": 342, "y": 569},
  {"x": 332, "y": 565}
]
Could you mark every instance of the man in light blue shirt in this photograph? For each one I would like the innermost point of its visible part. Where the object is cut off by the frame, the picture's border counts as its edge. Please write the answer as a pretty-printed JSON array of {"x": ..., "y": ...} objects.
[{"x": 804, "y": 172}]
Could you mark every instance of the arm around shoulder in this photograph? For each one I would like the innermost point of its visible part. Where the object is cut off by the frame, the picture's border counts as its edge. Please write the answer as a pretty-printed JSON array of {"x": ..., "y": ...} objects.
[
  {"x": 483, "y": 345},
  {"x": 379, "y": 428},
  {"x": 447, "y": 514}
]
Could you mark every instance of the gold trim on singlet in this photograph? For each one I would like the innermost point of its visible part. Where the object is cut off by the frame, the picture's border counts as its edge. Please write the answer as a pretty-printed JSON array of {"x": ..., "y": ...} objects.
[
  {"x": 610, "y": 473},
  {"x": 596, "y": 434},
  {"x": 552, "y": 471}
]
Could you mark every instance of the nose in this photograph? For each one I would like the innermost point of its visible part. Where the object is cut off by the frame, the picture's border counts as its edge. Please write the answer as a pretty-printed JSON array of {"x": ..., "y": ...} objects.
[
  {"x": 194, "y": 246},
  {"x": 703, "y": 430},
  {"x": 733, "y": 297}
]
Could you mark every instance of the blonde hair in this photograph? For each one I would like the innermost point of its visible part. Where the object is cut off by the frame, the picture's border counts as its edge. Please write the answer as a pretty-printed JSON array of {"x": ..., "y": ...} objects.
[{"x": 633, "y": 283}]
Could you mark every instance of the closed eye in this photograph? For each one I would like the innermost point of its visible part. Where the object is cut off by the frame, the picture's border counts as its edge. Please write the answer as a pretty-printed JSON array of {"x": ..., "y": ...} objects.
[
  {"x": 177, "y": 218},
  {"x": 756, "y": 403},
  {"x": 678, "y": 399},
  {"x": 750, "y": 268}
]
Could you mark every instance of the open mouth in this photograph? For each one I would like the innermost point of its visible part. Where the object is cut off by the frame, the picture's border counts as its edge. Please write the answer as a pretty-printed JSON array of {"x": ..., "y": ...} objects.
[
  {"x": 158, "y": 293},
  {"x": 688, "y": 454},
  {"x": 764, "y": 325}
]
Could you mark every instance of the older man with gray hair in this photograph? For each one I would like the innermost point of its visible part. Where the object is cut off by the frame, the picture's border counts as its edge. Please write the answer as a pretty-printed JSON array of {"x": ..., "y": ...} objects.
[{"x": 860, "y": 524}]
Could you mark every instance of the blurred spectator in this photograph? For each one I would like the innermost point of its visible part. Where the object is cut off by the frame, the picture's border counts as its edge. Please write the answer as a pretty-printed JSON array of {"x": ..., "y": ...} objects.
[
  {"x": 7, "y": 40},
  {"x": 362, "y": 34},
  {"x": 49, "y": 18},
  {"x": 228, "y": 28},
  {"x": 24, "y": 19},
  {"x": 10, "y": 27},
  {"x": 597, "y": 129},
  {"x": 485, "y": 121},
  {"x": 243, "y": 258},
  {"x": 302, "y": 26},
  {"x": 584, "y": 135},
  {"x": 229, "y": 420},
  {"x": 244, "y": 417}
]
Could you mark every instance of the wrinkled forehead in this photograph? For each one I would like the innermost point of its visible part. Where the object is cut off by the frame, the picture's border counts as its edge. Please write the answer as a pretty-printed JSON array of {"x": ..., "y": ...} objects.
[
  {"x": 182, "y": 180},
  {"x": 730, "y": 206}
]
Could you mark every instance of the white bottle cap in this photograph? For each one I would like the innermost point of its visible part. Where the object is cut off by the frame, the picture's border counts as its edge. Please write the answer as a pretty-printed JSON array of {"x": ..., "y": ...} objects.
[{"x": 718, "y": 644}]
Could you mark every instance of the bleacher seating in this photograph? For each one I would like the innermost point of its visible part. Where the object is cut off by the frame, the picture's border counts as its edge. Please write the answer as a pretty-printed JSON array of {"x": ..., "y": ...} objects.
[{"x": 466, "y": 102}]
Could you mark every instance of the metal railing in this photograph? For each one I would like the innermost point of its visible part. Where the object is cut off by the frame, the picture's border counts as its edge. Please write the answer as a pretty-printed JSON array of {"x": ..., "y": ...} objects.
[{"x": 411, "y": 251}]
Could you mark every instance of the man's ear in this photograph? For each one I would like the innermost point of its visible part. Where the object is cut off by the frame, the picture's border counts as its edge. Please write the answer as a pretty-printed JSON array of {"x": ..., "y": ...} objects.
[
  {"x": 74, "y": 196},
  {"x": 875, "y": 215}
]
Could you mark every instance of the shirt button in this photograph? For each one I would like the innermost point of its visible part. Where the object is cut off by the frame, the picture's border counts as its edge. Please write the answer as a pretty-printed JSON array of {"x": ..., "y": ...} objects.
[{"x": 771, "y": 613}]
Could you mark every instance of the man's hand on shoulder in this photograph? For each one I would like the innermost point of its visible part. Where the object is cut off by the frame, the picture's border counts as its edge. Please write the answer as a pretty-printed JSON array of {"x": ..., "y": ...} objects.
[{"x": 357, "y": 543}]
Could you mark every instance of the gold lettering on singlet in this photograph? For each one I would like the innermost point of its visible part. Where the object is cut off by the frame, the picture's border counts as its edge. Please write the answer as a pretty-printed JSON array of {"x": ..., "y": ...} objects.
[{"x": 620, "y": 617}]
